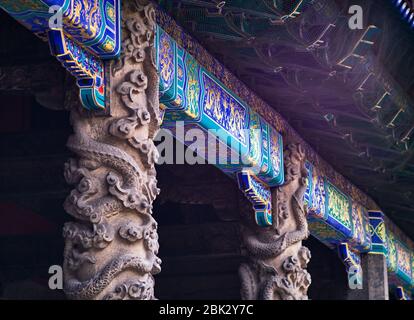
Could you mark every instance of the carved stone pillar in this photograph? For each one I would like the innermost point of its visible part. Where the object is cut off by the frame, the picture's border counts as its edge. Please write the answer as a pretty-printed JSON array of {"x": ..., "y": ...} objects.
[
  {"x": 277, "y": 259},
  {"x": 111, "y": 249},
  {"x": 375, "y": 279}
]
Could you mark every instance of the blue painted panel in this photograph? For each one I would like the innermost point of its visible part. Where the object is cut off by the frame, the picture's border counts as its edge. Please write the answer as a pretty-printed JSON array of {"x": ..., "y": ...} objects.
[
  {"x": 190, "y": 94},
  {"x": 93, "y": 24},
  {"x": 333, "y": 216},
  {"x": 90, "y": 31}
]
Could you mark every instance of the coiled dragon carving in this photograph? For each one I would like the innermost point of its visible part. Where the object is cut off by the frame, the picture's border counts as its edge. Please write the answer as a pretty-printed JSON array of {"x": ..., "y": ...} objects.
[
  {"x": 277, "y": 259},
  {"x": 111, "y": 250}
]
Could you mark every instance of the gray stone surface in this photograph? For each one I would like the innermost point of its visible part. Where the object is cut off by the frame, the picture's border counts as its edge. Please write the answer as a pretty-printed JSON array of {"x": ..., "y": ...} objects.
[{"x": 375, "y": 279}]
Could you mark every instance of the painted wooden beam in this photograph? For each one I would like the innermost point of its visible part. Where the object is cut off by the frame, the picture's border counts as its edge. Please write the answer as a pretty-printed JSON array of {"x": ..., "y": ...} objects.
[
  {"x": 270, "y": 115},
  {"x": 194, "y": 99},
  {"x": 192, "y": 95},
  {"x": 338, "y": 211},
  {"x": 81, "y": 35},
  {"x": 197, "y": 91}
]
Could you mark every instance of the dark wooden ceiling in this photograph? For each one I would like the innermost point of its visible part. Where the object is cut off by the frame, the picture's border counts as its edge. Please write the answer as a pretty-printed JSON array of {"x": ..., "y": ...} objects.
[{"x": 343, "y": 112}]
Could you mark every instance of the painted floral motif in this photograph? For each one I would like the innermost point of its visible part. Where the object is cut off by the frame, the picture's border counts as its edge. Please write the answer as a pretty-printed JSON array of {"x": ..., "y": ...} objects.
[
  {"x": 224, "y": 109},
  {"x": 318, "y": 200},
  {"x": 83, "y": 19},
  {"x": 404, "y": 259},
  {"x": 108, "y": 45},
  {"x": 193, "y": 87},
  {"x": 255, "y": 139},
  {"x": 338, "y": 206},
  {"x": 392, "y": 253},
  {"x": 381, "y": 231},
  {"x": 275, "y": 151},
  {"x": 307, "y": 197},
  {"x": 110, "y": 12},
  {"x": 362, "y": 234},
  {"x": 358, "y": 223},
  {"x": 166, "y": 61}
]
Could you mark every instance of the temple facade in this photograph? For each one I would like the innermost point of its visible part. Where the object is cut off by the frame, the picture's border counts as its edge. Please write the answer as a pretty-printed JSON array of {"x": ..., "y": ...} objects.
[{"x": 255, "y": 150}]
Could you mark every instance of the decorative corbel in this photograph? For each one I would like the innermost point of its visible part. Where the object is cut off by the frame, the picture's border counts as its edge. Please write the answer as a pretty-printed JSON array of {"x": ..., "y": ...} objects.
[
  {"x": 352, "y": 262},
  {"x": 259, "y": 195},
  {"x": 276, "y": 269}
]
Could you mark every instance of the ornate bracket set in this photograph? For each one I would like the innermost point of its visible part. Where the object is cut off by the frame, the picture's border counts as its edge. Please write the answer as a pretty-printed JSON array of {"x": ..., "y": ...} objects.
[
  {"x": 390, "y": 241},
  {"x": 193, "y": 97},
  {"x": 88, "y": 34},
  {"x": 336, "y": 220},
  {"x": 342, "y": 223}
]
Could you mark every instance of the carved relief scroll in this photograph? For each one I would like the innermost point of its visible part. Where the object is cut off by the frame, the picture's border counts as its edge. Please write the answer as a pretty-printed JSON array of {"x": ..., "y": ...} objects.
[
  {"x": 276, "y": 269},
  {"x": 111, "y": 249}
]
